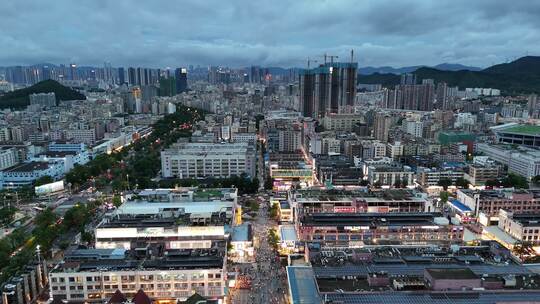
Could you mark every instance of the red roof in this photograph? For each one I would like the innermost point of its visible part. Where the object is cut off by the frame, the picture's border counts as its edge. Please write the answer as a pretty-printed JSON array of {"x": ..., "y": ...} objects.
[{"x": 141, "y": 298}]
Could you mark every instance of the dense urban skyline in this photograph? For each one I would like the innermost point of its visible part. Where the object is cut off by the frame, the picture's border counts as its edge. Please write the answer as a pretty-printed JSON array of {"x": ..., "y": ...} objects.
[{"x": 478, "y": 33}]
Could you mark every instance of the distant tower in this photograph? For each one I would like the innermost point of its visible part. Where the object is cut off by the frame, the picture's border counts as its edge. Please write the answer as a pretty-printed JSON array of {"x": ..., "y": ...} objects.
[{"x": 181, "y": 80}]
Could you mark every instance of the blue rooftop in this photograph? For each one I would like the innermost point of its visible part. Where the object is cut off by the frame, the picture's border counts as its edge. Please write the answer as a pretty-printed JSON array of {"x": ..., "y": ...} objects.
[
  {"x": 288, "y": 233},
  {"x": 459, "y": 206},
  {"x": 302, "y": 285}
]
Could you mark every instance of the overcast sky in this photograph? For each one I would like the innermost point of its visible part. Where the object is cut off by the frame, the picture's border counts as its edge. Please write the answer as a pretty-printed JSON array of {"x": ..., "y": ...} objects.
[{"x": 273, "y": 32}]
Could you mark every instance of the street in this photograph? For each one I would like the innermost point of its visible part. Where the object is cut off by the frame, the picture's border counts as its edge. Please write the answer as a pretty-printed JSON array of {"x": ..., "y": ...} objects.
[{"x": 268, "y": 285}]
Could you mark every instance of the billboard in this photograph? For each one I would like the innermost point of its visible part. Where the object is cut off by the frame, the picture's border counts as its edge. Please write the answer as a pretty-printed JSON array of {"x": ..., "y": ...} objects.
[{"x": 49, "y": 188}]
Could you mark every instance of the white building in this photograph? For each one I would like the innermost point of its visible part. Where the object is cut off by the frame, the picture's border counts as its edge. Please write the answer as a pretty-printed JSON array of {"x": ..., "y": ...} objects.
[
  {"x": 8, "y": 158},
  {"x": 341, "y": 122},
  {"x": 464, "y": 119},
  {"x": 27, "y": 173},
  {"x": 200, "y": 160},
  {"x": 520, "y": 160},
  {"x": 413, "y": 127},
  {"x": 43, "y": 99},
  {"x": 250, "y": 138}
]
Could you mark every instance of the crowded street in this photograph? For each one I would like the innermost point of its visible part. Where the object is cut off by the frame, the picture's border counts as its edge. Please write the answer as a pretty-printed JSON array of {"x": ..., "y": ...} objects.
[{"x": 268, "y": 284}]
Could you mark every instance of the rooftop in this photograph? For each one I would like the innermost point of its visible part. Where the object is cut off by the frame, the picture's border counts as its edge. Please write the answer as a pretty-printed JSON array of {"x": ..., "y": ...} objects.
[
  {"x": 519, "y": 129},
  {"x": 370, "y": 219},
  {"x": 302, "y": 285},
  {"x": 27, "y": 167},
  {"x": 451, "y": 274}
]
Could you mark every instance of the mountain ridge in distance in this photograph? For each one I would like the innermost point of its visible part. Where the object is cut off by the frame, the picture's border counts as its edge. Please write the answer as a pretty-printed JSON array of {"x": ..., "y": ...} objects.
[{"x": 516, "y": 77}]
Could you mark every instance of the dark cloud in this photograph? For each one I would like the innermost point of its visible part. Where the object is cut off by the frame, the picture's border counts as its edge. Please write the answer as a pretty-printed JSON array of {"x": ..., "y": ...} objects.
[{"x": 243, "y": 32}]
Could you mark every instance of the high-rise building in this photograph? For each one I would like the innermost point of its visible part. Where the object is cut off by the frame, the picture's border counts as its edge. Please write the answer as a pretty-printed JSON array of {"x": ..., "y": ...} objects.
[
  {"x": 408, "y": 79},
  {"x": 533, "y": 104},
  {"x": 419, "y": 97},
  {"x": 121, "y": 76},
  {"x": 73, "y": 75},
  {"x": 180, "y": 74},
  {"x": 329, "y": 88},
  {"x": 132, "y": 76},
  {"x": 383, "y": 122},
  {"x": 255, "y": 75}
]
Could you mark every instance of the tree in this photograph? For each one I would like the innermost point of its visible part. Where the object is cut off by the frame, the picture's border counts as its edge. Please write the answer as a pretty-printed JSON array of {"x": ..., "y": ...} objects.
[
  {"x": 268, "y": 183},
  {"x": 46, "y": 179},
  {"x": 445, "y": 183},
  {"x": 397, "y": 183},
  {"x": 536, "y": 179},
  {"x": 516, "y": 181},
  {"x": 117, "y": 201},
  {"x": 492, "y": 183},
  {"x": 462, "y": 183},
  {"x": 443, "y": 196},
  {"x": 87, "y": 237},
  {"x": 45, "y": 219},
  {"x": 7, "y": 215},
  {"x": 274, "y": 211}
]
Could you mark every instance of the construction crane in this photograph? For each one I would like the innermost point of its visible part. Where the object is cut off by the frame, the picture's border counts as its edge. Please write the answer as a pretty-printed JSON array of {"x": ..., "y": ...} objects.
[{"x": 331, "y": 58}]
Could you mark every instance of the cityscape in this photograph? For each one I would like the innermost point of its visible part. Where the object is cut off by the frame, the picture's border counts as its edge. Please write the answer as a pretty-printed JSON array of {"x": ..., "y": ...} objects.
[{"x": 250, "y": 163}]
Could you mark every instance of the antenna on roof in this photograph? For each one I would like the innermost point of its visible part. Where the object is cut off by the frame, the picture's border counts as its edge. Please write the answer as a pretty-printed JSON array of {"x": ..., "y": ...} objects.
[{"x": 352, "y": 55}]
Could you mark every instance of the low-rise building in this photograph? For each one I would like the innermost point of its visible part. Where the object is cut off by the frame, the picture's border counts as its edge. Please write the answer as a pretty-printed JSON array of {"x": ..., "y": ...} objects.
[
  {"x": 489, "y": 202},
  {"x": 378, "y": 228},
  {"x": 27, "y": 173},
  {"x": 524, "y": 227}
]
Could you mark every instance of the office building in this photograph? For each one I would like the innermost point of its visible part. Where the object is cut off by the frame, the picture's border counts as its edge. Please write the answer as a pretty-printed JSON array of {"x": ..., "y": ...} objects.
[
  {"x": 180, "y": 75},
  {"x": 519, "y": 160},
  {"x": 200, "y": 160}
]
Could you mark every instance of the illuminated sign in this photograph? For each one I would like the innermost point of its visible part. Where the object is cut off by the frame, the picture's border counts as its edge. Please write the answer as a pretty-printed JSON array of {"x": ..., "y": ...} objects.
[{"x": 344, "y": 210}]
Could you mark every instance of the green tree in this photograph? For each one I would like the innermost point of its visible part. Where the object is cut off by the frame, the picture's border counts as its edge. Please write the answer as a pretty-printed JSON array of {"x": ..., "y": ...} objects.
[
  {"x": 536, "y": 180},
  {"x": 445, "y": 183},
  {"x": 7, "y": 215},
  {"x": 514, "y": 180},
  {"x": 43, "y": 180},
  {"x": 117, "y": 201},
  {"x": 443, "y": 196},
  {"x": 462, "y": 183}
]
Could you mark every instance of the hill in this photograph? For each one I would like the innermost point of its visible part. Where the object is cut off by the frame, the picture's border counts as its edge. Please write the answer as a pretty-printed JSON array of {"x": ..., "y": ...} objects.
[
  {"x": 519, "y": 76},
  {"x": 409, "y": 69},
  {"x": 19, "y": 98}
]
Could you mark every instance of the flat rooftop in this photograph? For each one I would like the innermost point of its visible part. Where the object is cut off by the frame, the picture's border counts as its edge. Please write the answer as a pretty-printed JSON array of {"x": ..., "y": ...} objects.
[
  {"x": 527, "y": 220},
  {"x": 302, "y": 285},
  {"x": 369, "y": 219},
  {"x": 27, "y": 167},
  {"x": 451, "y": 274},
  {"x": 485, "y": 297},
  {"x": 348, "y": 195},
  {"x": 167, "y": 260}
]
